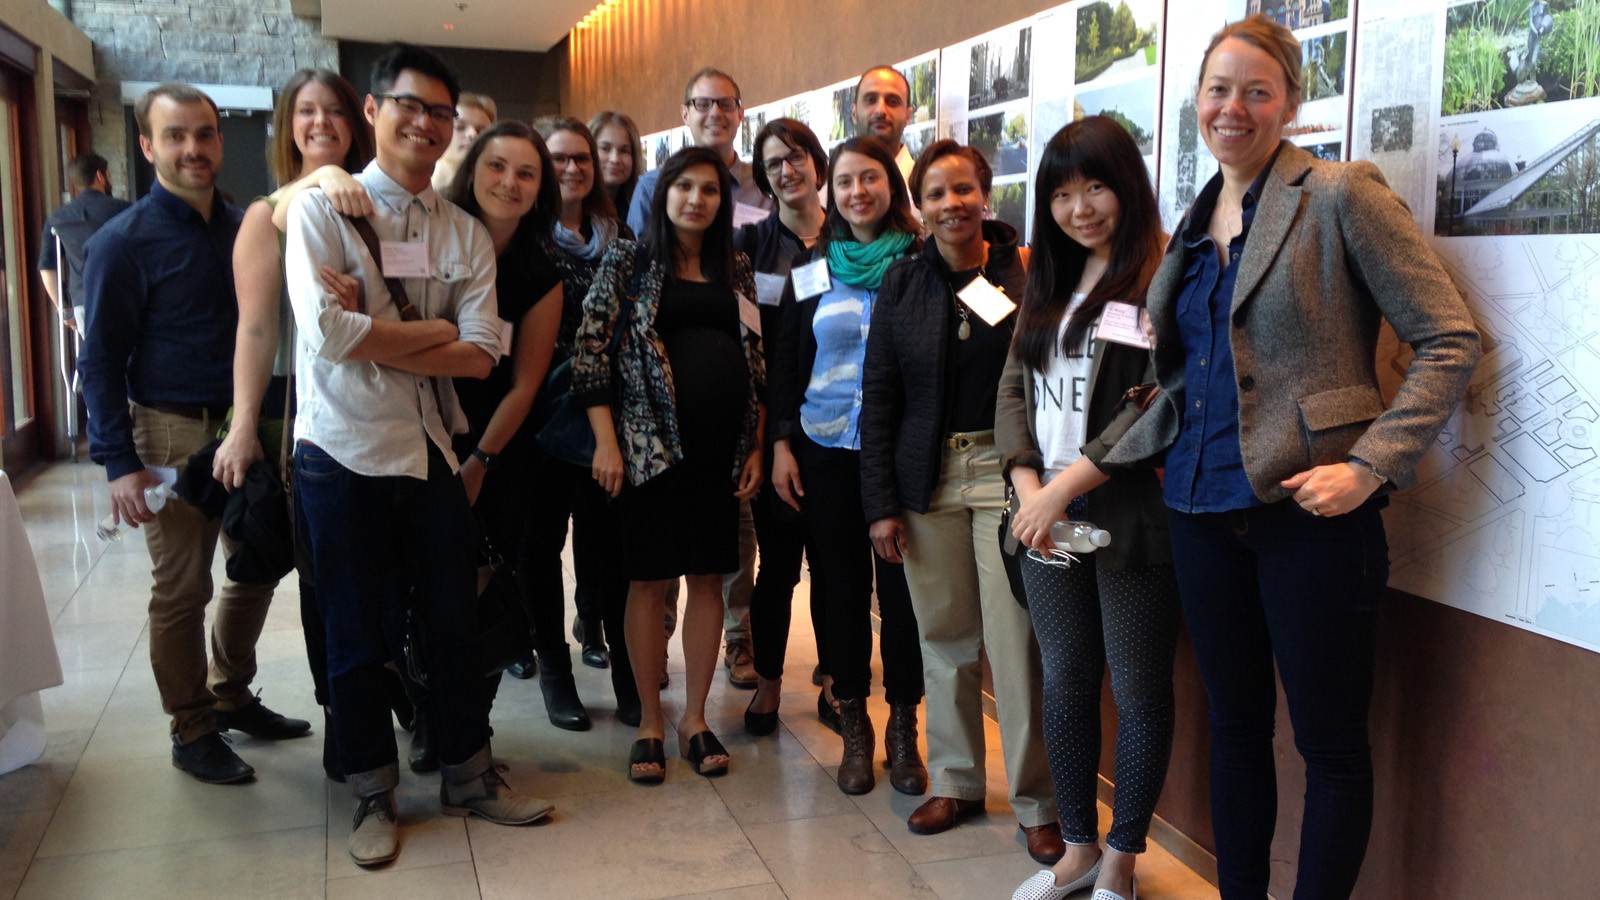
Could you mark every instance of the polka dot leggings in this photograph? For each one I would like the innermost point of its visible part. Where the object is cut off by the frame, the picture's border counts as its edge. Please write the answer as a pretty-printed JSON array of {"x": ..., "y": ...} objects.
[{"x": 1083, "y": 616}]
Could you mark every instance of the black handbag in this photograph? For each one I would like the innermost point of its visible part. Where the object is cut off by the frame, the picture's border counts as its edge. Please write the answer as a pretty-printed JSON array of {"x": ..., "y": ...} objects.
[
  {"x": 505, "y": 633},
  {"x": 563, "y": 426},
  {"x": 1011, "y": 549}
]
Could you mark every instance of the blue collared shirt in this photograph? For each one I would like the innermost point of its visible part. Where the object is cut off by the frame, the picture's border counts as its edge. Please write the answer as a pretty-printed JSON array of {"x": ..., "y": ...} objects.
[
  {"x": 1205, "y": 468},
  {"x": 162, "y": 313}
]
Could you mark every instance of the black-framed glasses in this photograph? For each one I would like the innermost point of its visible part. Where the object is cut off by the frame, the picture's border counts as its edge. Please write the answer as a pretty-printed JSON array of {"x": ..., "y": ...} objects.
[
  {"x": 413, "y": 105},
  {"x": 581, "y": 160},
  {"x": 774, "y": 165},
  {"x": 704, "y": 104}
]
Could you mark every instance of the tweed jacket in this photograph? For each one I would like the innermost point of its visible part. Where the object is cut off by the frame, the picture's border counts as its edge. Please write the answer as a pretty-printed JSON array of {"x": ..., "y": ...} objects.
[
  {"x": 636, "y": 380},
  {"x": 1129, "y": 505},
  {"x": 1330, "y": 254},
  {"x": 907, "y": 380}
]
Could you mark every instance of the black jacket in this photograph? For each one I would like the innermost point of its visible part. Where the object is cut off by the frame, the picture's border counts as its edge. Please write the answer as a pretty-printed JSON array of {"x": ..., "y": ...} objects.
[{"x": 906, "y": 385}]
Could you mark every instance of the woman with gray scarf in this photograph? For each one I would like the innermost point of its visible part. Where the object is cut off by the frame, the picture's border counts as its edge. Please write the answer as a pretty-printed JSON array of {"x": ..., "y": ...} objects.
[{"x": 585, "y": 226}]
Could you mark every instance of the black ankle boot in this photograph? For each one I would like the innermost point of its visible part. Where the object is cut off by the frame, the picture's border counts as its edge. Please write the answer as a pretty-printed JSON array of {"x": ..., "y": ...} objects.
[
  {"x": 422, "y": 757},
  {"x": 591, "y": 633},
  {"x": 561, "y": 701}
]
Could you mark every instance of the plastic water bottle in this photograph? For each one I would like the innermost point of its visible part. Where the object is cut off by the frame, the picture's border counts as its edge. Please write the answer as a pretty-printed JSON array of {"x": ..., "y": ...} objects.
[
  {"x": 1079, "y": 537},
  {"x": 154, "y": 497}
]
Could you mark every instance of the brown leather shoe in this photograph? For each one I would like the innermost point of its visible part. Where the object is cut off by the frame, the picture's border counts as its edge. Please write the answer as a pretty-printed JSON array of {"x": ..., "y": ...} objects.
[
  {"x": 942, "y": 813},
  {"x": 1044, "y": 843},
  {"x": 855, "y": 768}
]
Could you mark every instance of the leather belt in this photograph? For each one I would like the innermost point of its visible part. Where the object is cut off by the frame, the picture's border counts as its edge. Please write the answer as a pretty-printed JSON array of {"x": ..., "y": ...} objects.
[
  {"x": 201, "y": 413},
  {"x": 961, "y": 442}
]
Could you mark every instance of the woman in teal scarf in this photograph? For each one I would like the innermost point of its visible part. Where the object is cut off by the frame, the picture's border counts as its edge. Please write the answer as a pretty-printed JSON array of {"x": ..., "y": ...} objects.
[{"x": 815, "y": 406}]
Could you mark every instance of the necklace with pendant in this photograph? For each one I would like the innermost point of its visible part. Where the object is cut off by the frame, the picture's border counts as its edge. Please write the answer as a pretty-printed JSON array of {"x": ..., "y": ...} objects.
[{"x": 964, "y": 330}]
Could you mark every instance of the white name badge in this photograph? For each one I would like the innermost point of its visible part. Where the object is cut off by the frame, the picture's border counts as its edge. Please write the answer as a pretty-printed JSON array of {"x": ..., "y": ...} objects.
[
  {"x": 745, "y": 214},
  {"x": 1124, "y": 323},
  {"x": 404, "y": 259},
  {"x": 811, "y": 279},
  {"x": 505, "y": 331},
  {"x": 769, "y": 288},
  {"x": 989, "y": 302},
  {"x": 749, "y": 314}
]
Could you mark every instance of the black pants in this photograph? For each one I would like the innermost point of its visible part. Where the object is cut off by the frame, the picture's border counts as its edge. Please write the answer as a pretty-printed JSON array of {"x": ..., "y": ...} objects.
[
  {"x": 598, "y": 543},
  {"x": 845, "y": 564},
  {"x": 781, "y": 537},
  {"x": 1275, "y": 584}
]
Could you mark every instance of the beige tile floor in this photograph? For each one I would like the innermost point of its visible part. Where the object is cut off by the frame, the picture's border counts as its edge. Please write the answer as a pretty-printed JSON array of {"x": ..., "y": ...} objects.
[{"x": 104, "y": 814}]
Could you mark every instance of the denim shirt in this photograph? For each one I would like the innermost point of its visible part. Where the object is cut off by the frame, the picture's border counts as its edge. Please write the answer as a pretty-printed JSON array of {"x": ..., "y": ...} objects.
[
  {"x": 831, "y": 410},
  {"x": 1205, "y": 468}
]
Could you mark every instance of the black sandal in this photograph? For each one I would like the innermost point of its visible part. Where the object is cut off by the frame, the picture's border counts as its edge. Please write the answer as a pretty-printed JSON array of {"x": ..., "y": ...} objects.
[
  {"x": 695, "y": 748},
  {"x": 647, "y": 751}
]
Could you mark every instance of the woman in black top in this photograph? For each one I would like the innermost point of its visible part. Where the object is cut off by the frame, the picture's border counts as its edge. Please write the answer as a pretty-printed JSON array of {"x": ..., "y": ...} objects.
[
  {"x": 506, "y": 182},
  {"x": 932, "y": 489},
  {"x": 789, "y": 166},
  {"x": 669, "y": 366}
]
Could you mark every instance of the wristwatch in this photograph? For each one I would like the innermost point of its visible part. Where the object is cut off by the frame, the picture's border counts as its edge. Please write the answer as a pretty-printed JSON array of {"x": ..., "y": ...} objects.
[
  {"x": 1376, "y": 472},
  {"x": 488, "y": 458}
]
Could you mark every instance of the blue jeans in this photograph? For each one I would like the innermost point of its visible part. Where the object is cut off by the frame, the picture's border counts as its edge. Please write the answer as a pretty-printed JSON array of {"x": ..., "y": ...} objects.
[
  {"x": 1276, "y": 583},
  {"x": 379, "y": 544}
]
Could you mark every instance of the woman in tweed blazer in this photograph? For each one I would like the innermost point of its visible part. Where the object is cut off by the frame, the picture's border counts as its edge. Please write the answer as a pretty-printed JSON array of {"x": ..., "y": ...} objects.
[{"x": 1279, "y": 449}]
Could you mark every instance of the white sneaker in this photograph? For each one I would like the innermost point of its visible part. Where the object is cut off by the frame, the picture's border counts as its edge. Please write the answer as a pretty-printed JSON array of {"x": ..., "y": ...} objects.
[{"x": 1042, "y": 886}]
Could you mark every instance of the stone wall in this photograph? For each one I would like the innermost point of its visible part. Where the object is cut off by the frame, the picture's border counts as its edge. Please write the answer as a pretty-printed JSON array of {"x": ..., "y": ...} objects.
[{"x": 245, "y": 42}]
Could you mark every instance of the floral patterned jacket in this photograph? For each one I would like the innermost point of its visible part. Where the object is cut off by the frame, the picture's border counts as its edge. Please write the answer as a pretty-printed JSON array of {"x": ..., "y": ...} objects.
[{"x": 630, "y": 372}]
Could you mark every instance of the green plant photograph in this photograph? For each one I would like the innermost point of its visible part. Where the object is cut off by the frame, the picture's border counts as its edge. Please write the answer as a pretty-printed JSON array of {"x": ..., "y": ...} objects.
[{"x": 1501, "y": 53}]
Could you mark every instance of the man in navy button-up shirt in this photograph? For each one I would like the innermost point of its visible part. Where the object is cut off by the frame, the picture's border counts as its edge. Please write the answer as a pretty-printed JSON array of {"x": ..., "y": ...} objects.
[{"x": 157, "y": 369}]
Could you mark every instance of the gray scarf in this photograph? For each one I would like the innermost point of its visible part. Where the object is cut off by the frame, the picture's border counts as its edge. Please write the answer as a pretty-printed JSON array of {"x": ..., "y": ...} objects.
[{"x": 603, "y": 232}]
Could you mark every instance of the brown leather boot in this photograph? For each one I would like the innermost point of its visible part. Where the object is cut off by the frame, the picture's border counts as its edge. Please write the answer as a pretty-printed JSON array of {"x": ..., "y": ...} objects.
[
  {"x": 855, "y": 769},
  {"x": 902, "y": 758}
]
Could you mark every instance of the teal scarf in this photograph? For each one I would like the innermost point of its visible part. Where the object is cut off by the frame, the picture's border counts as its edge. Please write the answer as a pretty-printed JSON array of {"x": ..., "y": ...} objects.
[{"x": 863, "y": 265}]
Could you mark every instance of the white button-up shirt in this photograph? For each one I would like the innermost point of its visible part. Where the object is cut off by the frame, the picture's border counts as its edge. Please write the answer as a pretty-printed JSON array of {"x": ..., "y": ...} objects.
[{"x": 373, "y": 419}]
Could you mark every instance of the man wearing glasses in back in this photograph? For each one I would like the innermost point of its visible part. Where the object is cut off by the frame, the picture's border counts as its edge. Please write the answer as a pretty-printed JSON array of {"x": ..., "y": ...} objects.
[{"x": 713, "y": 111}]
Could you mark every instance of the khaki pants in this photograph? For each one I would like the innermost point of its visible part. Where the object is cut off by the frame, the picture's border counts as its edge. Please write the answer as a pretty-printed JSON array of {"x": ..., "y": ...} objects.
[
  {"x": 965, "y": 608},
  {"x": 182, "y": 543}
]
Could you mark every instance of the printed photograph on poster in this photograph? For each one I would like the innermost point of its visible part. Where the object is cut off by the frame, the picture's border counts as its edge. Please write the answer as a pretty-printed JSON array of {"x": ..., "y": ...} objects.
[
  {"x": 1131, "y": 105},
  {"x": 1009, "y": 204},
  {"x": 754, "y": 121},
  {"x": 1002, "y": 137},
  {"x": 1522, "y": 171},
  {"x": 1322, "y": 65},
  {"x": 1298, "y": 14},
  {"x": 1000, "y": 68},
  {"x": 1501, "y": 54},
  {"x": 923, "y": 76},
  {"x": 917, "y": 138},
  {"x": 1328, "y": 151},
  {"x": 844, "y": 123},
  {"x": 1116, "y": 41},
  {"x": 1185, "y": 165}
]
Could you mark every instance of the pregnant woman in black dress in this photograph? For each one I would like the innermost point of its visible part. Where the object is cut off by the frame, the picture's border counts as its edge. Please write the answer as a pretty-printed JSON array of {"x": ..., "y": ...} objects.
[{"x": 669, "y": 365}]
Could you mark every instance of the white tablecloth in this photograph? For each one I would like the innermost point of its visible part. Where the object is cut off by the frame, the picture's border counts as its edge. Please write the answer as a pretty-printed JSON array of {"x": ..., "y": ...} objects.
[{"x": 28, "y": 661}]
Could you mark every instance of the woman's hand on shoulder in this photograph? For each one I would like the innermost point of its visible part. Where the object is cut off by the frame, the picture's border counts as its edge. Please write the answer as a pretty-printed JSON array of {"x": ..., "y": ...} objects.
[{"x": 346, "y": 194}]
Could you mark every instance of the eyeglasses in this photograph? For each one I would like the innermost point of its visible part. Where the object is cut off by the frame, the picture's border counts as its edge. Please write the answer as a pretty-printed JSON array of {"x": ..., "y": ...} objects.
[
  {"x": 774, "y": 166},
  {"x": 412, "y": 105},
  {"x": 704, "y": 104},
  {"x": 581, "y": 160}
]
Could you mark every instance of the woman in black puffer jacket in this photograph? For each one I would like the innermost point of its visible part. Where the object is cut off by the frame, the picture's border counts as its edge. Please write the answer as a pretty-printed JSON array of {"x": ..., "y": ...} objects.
[{"x": 932, "y": 488}]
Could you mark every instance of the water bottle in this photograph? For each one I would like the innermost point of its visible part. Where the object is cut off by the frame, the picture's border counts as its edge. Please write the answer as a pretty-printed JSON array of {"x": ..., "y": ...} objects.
[
  {"x": 1079, "y": 537},
  {"x": 154, "y": 497}
]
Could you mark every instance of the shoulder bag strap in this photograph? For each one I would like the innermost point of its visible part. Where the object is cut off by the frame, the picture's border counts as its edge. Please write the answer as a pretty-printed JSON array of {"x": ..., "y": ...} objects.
[{"x": 397, "y": 291}]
